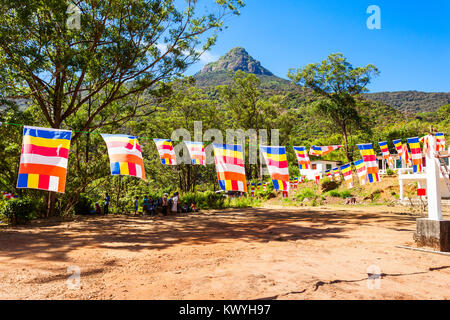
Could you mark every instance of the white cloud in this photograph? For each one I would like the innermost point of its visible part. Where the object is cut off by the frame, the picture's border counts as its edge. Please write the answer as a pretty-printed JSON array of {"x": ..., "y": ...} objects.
[
  {"x": 208, "y": 57},
  {"x": 205, "y": 58}
]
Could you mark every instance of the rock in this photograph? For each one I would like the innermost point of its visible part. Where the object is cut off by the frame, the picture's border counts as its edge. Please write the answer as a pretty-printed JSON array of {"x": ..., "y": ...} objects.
[{"x": 237, "y": 59}]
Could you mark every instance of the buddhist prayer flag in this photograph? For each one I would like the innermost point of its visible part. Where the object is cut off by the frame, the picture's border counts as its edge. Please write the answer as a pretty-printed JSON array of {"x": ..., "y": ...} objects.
[
  {"x": 229, "y": 160},
  {"x": 361, "y": 171},
  {"x": 440, "y": 141},
  {"x": 328, "y": 173},
  {"x": 402, "y": 151},
  {"x": 398, "y": 146},
  {"x": 43, "y": 162},
  {"x": 322, "y": 150},
  {"x": 165, "y": 150},
  {"x": 336, "y": 174},
  {"x": 426, "y": 143},
  {"x": 125, "y": 156},
  {"x": 277, "y": 166},
  {"x": 386, "y": 154},
  {"x": 196, "y": 152},
  {"x": 346, "y": 170},
  {"x": 416, "y": 154},
  {"x": 302, "y": 157},
  {"x": 370, "y": 160},
  {"x": 9, "y": 196}
]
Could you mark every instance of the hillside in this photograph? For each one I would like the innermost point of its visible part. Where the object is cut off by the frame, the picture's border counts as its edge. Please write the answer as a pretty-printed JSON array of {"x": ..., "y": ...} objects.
[
  {"x": 221, "y": 71},
  {"x": 412, "y": 101}
]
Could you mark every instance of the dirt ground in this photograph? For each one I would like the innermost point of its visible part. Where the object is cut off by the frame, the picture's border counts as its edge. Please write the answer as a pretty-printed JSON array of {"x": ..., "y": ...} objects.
[{"x": 257, "y": 253}]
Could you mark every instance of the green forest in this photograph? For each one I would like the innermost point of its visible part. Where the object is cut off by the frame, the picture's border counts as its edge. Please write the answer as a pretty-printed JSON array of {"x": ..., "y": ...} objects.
[{"x": 114, "y": 76}]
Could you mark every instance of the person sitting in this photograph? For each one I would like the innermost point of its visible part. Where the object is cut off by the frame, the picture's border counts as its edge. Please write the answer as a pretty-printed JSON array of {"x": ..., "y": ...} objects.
[{"x": 98, "y": 209}]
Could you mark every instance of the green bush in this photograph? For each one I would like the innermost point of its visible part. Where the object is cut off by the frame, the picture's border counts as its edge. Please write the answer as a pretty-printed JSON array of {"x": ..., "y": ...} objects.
[
  {"x": 243, "y": 202},
  {"x": 339, "y": 194},
  {"x": 346, "y": 194},
  {"x": 18, "y": 211},
  {"x": 204, "y": 200},
  {"x": 306, "y": 193},
  {"x": 390, "y": 172},
  {"x": 84, "y": 205},
  {"x": 328, "y": 185},
  {"x": 334, "y": 193}
]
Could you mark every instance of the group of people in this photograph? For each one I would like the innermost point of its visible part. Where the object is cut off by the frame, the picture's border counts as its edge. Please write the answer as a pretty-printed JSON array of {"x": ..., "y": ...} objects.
[{"x": 151, "y": 206}]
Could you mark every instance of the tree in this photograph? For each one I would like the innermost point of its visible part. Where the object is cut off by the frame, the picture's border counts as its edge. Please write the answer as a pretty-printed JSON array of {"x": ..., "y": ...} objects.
[
  {"x": 122, "y": 48},
  {"x": 337, "y": 85},
  {"x": 248, "y": 108}
]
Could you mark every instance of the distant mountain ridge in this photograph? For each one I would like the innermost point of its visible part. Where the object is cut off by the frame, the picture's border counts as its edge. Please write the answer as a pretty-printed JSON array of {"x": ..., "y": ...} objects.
[
  {"x": 412, "y": 101},
  {"x": 220, "y": 72}
]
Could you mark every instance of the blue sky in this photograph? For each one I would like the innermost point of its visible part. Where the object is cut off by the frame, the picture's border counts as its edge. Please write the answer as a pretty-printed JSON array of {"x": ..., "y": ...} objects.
[{"x": 411, "y": 50}]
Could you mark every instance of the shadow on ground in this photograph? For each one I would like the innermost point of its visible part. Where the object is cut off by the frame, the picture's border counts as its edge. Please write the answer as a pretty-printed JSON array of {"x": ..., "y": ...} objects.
[{"x": 53, "y": 241}]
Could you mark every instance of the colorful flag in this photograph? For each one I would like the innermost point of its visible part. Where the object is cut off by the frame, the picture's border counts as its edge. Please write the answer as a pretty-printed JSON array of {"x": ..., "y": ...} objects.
[
  {"x": 328, "y": 173},
  {"x": 370, "y": 160},
  {"x": 277, "y": 166},
  {"x": 416, "y": 154},
  {"x": 125, "y": 156},
  {"x": 302, "y": 157},
  {"x": 229, "y": 160},
  {"x": 346, "y": 170},
  {"x": 426, "y": 143},
  {"x": 398, "y": 146},
  {"x": 336, "y": 174},
  {"x": 322, "y": 150},
  {"x": 440, "y": 141},
  {"x": 9, "y": 196},
  {"x": 361, "y": 171},
  {"x": 386, "y": 154},
  {"x": 165, "y": 150},
  {"x": 43, "y": 162},
  {"x": 196, "y": 152}
]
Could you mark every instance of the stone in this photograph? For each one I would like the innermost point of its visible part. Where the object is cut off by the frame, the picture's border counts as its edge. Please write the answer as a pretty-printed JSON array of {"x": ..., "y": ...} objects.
[{"x": 433, "y": 233}]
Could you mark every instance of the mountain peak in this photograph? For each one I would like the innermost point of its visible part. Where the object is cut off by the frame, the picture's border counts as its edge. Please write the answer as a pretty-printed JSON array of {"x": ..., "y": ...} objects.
[{"x": 237, "y": 59}]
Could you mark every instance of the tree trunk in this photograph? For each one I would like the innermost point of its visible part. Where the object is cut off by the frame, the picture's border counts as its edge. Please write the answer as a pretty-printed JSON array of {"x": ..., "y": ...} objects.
[
  {"x": 51, "y": 204},
  {"x": 347, "y": 151}
]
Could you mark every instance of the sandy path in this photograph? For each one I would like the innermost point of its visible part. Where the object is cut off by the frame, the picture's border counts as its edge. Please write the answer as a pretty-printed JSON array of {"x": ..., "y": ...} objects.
[{"x": 260, "y": 253}]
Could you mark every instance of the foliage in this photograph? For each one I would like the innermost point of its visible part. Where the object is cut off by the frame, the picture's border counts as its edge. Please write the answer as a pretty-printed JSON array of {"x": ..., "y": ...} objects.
[
  {"x": 242, "y": 202},
  {"x": 204, "y": 200},
  {"x": 19, "y": 210},
  {"x": 84, "y": 205},
  {"x": 339, "y": 194},
  {"x": 390, "y": 172},
  {"x": 336, "y": 84},
  {"x": 306, "y": 193},
  {"x": 327, "y": 185},
  {"x": 105, "y": 73}
]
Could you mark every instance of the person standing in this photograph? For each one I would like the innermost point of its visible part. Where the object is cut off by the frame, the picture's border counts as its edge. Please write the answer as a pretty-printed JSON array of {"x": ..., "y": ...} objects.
[
  {"x": 165, "y": 204},
  {"x": 136, "y": 205},
  {"x": 175, "y": 203},
  {"x": 106, "y": 206},
  {"x": 145, "y": 208}
]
